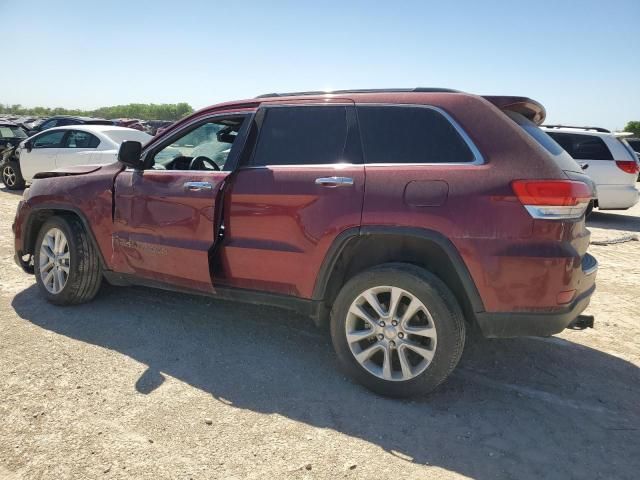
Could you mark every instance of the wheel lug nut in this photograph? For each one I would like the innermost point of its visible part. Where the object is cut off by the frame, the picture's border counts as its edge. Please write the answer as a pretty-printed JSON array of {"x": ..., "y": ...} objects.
[
  {"x": 381, "y": 324},
  {"x": 401, "y": 335},
  {"x": 380, "y": 336},
  {"x": 392, "y": 343},
  {"x": 394, "y": 323}
]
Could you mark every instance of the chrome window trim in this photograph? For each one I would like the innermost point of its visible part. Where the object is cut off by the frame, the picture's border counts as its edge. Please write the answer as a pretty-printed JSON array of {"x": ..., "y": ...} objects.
[{"x": 478, "y": 158}]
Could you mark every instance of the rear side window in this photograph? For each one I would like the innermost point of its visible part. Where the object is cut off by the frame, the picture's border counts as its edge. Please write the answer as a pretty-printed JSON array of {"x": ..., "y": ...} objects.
[
  {"x": 301, "y": 136},
  {"x": 396, "y": 134},
  {"x": 582, "y": 147},
  {"x": 78, "y": 139}
]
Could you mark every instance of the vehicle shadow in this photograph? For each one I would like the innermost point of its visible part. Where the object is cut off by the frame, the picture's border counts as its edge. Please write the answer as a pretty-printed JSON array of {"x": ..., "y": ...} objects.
[
  {"x": 4, "y": 189},
  {"x": 614, "y": 221},
  {"x": 521, "y": 408}
]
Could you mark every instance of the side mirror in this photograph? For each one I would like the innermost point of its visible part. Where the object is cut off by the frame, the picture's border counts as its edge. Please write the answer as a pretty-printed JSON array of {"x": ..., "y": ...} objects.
[
  {"x": 130, "y": 153},
  {"x": 28, "y": 145}
]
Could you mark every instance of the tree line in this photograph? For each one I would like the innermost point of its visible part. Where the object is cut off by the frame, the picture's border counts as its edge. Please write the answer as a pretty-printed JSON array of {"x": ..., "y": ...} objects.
[
  {"x": 143, "y": 111},
  {"x": 633, "y": 127}
]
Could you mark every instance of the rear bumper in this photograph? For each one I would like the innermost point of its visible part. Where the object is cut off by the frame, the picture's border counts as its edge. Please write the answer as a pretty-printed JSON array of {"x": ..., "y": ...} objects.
[
  {"x": 541, "y": 324},
  {"x": 617, "y": 197}
]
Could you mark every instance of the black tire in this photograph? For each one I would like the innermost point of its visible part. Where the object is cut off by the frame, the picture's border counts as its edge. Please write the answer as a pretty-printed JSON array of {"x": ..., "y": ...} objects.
[
  {"x": 442, "y": 305},
  {"x": 589, "y": 210},
  {"x": 12, "y": 176},
  {"x": 85, "y": 272}
]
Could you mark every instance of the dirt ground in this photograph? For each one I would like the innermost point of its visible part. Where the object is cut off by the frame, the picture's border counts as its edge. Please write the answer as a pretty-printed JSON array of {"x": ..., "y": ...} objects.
[{"x": 146, "y": 384}]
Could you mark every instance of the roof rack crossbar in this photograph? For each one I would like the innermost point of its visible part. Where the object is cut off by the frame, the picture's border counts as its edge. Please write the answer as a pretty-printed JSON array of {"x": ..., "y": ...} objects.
[
  {"x": 596, "y": 129},
  {"x": 365, "y": 90}
]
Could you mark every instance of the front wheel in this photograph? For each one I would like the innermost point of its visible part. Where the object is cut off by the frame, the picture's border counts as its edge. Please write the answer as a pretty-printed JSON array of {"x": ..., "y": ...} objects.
[
  {"x": 67, "y": 265},
  {"x": 12, "y": 177},
  {"x": 397, "y": 329}
]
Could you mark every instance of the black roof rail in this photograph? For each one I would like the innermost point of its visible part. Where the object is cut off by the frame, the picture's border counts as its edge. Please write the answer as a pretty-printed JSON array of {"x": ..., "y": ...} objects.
[
  {"x": 364, "y": 90},
  {"x": 596, "y": 129}
]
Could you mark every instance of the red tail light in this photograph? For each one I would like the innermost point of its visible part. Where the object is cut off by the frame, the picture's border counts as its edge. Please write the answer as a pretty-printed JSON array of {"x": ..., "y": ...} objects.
[
  {"x": 628, "y": 166},
  {"x": 553, "y": 199}
]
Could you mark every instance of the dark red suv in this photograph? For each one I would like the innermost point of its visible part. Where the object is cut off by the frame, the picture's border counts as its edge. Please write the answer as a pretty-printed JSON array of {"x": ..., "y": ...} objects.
[{"x": 402, "y": 217}]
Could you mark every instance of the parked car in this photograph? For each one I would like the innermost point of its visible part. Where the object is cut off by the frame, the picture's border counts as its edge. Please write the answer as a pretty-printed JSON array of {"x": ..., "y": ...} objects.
[
  {"x": 634, "y": 143},
  {"x": 10, "y": 134},
  {"x": 394, "y": 215},
  {"x": 130, "y": 123},
  {"x": 65, "y": 146},
  {"x": 64, "y": 120},
  {"x": 607, "y": 158}
]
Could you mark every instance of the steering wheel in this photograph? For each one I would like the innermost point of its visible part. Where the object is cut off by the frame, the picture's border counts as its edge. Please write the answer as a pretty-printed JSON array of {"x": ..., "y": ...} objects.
[{"x": 198, "y": 163}]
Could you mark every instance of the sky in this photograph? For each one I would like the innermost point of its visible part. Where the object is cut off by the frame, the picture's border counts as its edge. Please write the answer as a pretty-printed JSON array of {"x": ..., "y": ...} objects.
[{"x": 580, "y": 59}]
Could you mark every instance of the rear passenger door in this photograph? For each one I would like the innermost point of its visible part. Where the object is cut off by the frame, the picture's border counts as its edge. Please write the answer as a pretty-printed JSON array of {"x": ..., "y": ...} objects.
[
  {"x": 420, "y": 168},
  {"x": 78, "y": 148},
  {"x": 299, "y": 185}
]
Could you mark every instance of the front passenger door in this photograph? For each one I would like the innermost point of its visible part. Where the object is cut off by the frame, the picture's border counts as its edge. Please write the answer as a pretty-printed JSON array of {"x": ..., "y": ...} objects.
[{"x": 42, "y": 157}]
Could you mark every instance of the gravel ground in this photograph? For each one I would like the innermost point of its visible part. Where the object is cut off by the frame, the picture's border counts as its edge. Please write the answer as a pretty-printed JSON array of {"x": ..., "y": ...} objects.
[{"x": 147, "y": 384}]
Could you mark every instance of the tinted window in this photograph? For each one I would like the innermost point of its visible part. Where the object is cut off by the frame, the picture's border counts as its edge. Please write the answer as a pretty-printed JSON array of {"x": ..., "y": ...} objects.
[
  {"x": 49, "y": 140},
  {"x": 78, "y": 139},
  {"x": 410, "y": 135},
  {"x": 302, "y": 136},
  {"x": 634, "y": 143},
  {"x": 582, "y": 147}
]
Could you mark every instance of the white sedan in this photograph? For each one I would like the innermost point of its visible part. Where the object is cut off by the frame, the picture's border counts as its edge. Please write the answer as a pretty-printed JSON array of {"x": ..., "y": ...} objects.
[{"x": 73, "y": 145}]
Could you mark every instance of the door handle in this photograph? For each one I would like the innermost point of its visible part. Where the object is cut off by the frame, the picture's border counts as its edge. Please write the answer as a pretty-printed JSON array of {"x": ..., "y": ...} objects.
[
  {"x": 334, "y": 181},
  {"x": 197, "y": 186}
]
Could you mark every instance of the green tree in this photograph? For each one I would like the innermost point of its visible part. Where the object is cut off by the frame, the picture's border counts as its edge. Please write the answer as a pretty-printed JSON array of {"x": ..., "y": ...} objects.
[
  {"x": 633, "y": 126},
  {"x": 143, "y": 111}
]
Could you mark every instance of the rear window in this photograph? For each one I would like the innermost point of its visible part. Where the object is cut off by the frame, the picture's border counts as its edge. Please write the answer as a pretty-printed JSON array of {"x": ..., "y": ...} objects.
[
  {"x": 12, "y": 132},
  {"x": 397, "y": 134},
  {"x": 634, "y": 143},
  {"x": 582, "y": 147},
  {"x": 560, "y": 156},
  {"x": 629, "y": 149}
]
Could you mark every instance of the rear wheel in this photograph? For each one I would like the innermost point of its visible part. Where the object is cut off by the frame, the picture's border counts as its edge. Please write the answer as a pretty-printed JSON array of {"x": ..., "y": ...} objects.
[
  {"x": 397, "y": 329},
  {"x": 11, "y": 176},
  {"x": 67, "y": 266}
]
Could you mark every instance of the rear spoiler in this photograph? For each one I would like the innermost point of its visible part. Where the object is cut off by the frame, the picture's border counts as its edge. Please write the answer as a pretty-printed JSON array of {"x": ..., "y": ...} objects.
[
  {"x": 623, "y": 134},
  {"x": 530, "y": 109}
]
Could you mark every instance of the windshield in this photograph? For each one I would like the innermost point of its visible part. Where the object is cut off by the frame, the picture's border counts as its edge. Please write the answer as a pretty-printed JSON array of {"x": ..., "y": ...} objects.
[
  {"x": 12, "y": 132},
  {"x": 561, "y": 157}
]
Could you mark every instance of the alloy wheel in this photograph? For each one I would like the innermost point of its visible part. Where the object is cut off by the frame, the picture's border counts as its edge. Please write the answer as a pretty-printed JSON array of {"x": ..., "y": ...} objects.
[
  {"x": 9, "y": 176},
  {"x": 54, "y": 260},
  {"x": 391, "y": 333}
]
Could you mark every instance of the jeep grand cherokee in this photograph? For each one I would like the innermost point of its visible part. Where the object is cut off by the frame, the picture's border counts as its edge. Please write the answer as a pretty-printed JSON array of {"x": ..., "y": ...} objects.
[{"x": 401, "y": 217}]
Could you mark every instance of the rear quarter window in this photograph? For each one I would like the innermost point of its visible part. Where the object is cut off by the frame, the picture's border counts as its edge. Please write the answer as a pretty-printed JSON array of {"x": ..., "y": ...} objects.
[
  {"x": 398, "y": 134},
  {"x": 582, "y": 147}
]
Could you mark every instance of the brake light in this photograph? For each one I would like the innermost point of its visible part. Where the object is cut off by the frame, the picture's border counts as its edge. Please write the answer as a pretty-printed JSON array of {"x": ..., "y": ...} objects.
[
  {"x": 553, "y": 199},
  {"x": 628, "y": 166}
]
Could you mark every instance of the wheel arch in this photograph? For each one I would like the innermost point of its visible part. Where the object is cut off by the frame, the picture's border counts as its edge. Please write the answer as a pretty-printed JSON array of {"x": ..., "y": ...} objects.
[
  {"x": 40, "y": 214},
  {"x": 355, "y": 250}
]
